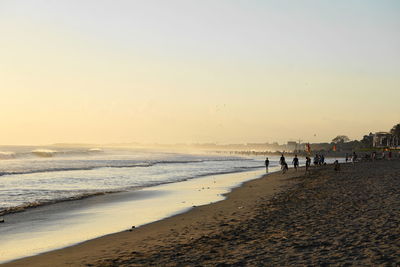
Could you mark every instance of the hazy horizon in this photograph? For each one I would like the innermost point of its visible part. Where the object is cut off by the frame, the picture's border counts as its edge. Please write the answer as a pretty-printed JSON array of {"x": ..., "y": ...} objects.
[{"x": 197, "y": 71}]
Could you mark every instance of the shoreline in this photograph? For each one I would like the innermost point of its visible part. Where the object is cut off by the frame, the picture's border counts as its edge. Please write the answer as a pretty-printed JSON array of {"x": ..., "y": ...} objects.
[{"x": 150, "y": 230}]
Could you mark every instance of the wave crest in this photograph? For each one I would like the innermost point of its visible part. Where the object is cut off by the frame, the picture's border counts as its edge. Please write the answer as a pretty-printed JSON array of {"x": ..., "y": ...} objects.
[
  {"x": 47, "y": 153},
  {"x": 7, "y": 155}
]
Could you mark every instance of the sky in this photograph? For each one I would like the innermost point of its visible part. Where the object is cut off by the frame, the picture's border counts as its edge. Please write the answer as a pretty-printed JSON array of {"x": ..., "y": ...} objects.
[{"x": 186, "y": 71}]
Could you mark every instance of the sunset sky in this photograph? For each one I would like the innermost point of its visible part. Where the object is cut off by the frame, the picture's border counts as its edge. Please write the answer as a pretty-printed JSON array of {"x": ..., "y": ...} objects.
[{"x": 224, "y": 71}]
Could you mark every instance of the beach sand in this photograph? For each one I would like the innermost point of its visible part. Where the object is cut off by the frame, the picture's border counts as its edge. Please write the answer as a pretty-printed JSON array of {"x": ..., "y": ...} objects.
[{"x": 347, "y": 218}]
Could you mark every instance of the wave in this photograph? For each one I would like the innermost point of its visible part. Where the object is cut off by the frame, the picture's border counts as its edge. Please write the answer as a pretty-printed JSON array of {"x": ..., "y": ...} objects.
[
  {"x": 48, "y": 153},
  {"x": 95, "y": 150},
  {"x": 52, "y": 153},
  {"x": 44, "y": 152},
  {"x": 59, "y": 169},
  {"x": 23, "y": 207},
  {"x": 7, "y": 155},
  {"x": 39, "y": 203},
  {"x": 116, "y": 165}
]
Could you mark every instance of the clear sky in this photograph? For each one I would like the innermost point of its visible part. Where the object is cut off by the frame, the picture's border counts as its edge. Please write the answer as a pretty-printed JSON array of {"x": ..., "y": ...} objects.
[{"x": 224, "y": 71}]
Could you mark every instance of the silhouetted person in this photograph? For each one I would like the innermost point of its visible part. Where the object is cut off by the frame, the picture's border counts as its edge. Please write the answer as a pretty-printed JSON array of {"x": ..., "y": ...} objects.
[
  {"x": 285, "y": 168},
  {"x": 295, "y": 162},
  {"x": 266, "y": 164},
  {"x": 282, "y": 161},
  {"x": 354, "y": 157},
  {"x": 316, "y": 159},
  {"x": 308, "y": 163},
  {"x": 336, "y": 166}
]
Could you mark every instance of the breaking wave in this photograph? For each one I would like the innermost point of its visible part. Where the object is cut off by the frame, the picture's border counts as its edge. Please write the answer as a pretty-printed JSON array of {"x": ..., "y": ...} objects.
[
  {"x": 7, "y": 155},
  {"x": 48, "y": 153},
  {"x": 115, "y": 164}
]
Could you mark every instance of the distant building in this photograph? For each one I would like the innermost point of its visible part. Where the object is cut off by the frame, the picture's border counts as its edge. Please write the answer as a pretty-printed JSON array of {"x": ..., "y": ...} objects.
[
  {"x": 395, "y": 142},
  {"x": 291, "y": 145},
  {"x": 385, "y": 139}
]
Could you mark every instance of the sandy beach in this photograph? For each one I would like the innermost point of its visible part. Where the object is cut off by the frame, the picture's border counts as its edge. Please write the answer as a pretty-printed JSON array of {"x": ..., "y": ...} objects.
[{"x": 326, "y": 218}]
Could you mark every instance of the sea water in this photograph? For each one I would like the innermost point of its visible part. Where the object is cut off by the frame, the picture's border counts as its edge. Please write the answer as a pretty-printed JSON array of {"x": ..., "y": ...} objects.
[{"x": 33, "y": 176}]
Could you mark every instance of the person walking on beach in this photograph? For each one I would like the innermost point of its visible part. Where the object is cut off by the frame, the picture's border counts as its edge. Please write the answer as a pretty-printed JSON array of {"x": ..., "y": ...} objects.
[
  {"x": 347, "y": 157},
  {"x": 354, "y": 157},
  {"x": 308, "y": 163},
  {"x": 295, "y": 162},
  {"x": 336, "y": 166},
  {"x": 282, "y": 161},
  {"x": 285, "y": 168},
  {"x": 316, "y": 159},
  {"x": 266, "y": 164}
]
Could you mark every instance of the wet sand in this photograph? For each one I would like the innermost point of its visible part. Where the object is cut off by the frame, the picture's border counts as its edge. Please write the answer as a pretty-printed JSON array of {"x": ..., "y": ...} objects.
[{"x": 342, "y": 219}]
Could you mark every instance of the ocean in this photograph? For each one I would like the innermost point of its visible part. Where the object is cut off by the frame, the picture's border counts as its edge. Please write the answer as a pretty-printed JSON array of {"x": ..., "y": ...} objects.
[{"x": 34, "y": 176}]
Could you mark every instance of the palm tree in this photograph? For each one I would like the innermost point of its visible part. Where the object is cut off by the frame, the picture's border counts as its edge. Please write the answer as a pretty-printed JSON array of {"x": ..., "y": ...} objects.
[
  {"x": 396, "y": 130},
  {"x": 340, "y": 139}
]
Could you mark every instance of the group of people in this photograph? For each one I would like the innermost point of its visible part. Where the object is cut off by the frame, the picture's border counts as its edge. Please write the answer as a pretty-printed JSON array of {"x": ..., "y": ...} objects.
[
  {"x": 353, "y": 157},
  {"x": 318, "y": 160},
  {"x": 284, "y": 165},
  {"x": 373, "y": 156}
]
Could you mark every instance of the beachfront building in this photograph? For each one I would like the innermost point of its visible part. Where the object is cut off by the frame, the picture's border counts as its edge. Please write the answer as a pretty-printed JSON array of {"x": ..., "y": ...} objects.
[
  {"x": 385, "y": 139},
  {"x": 291, "y": 146},
  {"x": 396, "y": 142}
]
